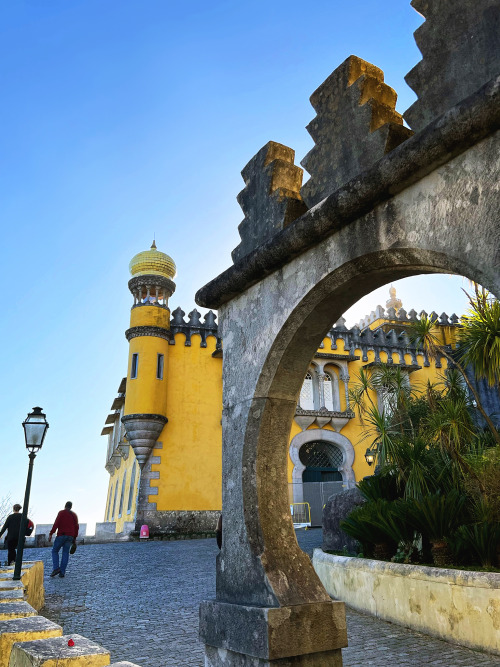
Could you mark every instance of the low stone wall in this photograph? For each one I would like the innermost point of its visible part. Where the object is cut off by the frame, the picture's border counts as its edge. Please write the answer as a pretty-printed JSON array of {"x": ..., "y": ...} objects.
[
  {"x": 458, "y": 606},
  {"x": 179, "y": 522}
]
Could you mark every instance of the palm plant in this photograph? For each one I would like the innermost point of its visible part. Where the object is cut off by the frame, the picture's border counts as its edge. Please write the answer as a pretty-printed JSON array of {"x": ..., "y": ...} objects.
[
  {"x": 422, "y": 334},
  {"x": 359, "y": 525},
  {"x": 369, "y": 524},
  {"x": 383, "y": 432},
  {"x": 383, "y": 486},
  {"x": 483, "y": 539},
  {"x": 360, "y": 391},
  {"x": 419, "y": 467},
  {"x": 479, "y": 336},
  {"x": 436, "y": 517}
]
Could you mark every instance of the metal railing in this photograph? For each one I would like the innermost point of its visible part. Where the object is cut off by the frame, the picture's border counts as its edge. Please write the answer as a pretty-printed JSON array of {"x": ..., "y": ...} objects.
[
  {"x": 301, "y": 515},
  {"x": 314, "y": 494}
]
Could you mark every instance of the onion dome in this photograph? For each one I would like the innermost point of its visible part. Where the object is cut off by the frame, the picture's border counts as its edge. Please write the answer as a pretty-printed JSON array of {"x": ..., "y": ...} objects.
[{"x": 152, "y": 262}]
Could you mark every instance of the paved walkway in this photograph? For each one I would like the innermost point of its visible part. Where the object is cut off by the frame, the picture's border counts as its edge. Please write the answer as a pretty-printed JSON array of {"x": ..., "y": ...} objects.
[{"x": 141, "y": 602}]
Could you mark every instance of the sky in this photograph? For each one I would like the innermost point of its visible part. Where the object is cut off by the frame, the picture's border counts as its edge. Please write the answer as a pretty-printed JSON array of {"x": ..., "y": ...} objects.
[{"x": 126, "y": 119}]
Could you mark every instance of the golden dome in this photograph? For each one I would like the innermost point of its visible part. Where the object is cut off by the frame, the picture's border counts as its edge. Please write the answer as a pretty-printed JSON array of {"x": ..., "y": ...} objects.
[{"x": 152, "y": 262}]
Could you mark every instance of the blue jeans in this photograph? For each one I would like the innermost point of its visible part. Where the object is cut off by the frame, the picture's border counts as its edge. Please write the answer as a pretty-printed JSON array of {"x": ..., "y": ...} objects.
[{"x": 64, "y": 541}]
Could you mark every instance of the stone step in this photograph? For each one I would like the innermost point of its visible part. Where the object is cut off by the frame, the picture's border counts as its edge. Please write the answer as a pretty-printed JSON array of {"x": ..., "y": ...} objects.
[
  {"x": 11, "y": 594},
  {"x": 11, "y": 610},
  {"x": 24, "y": 630},
  {"x": 55, "y": 651},
  {"x": 7, "y": 584}
]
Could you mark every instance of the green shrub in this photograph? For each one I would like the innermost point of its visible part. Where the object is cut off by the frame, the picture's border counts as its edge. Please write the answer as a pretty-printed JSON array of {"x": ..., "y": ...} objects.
[
  {"x": 437, "y": 516},
  {"x": 482, "y": 539},
  {"x": 360, "y": 525},
  {"x": 379, "y": 487}
]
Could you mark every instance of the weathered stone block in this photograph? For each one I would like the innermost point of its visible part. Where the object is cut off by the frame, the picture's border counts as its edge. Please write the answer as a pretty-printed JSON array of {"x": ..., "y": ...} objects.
[
  {"x": 336, "y": 510},
  {"x": 271, "y": 198},
  {"x": 180, "y": 522},
  {"x": 10, "y": 610},
  {"x": 55, "y": 651},
  {"x": 219, "y": 657},
  {"x": 105, "y": 530},
  {"x": 356, "y": 124},
  {"x": 11, "y": 594},
  {"x": 43, "y": 529},
  {"x": 22, "y": 630},
  {"x": 459, "y": 42},
  {"x": 271, "y": 633}
]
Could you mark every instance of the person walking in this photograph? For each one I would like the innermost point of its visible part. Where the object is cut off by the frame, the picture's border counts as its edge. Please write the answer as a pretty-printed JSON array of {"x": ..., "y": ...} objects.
[
  {"x": 12, "y": 526},
  {"x": 66, "y": 524}
]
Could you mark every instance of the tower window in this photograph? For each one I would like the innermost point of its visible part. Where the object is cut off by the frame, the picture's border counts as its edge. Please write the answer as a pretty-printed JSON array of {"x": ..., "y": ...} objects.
[
  {"x": 159, "y": 367},
  {"x": 134, "y": 366}
]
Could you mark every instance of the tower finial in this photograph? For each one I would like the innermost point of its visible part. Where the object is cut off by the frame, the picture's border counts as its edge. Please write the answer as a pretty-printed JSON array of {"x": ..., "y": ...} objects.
[
  {"x": 153, "y": 245},
  {"x": 393, "y": 302}
]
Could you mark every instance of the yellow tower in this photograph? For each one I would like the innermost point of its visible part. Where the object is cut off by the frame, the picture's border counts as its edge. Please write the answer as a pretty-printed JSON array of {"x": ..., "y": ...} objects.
[{"x": 145, "y": 412}]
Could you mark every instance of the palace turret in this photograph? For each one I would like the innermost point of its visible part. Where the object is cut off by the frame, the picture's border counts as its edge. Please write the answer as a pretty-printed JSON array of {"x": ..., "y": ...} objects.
[{"x": 145, "y": 412}]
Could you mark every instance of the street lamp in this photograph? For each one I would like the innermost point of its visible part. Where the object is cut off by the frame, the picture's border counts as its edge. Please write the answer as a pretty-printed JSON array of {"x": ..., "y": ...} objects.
[
  {"x": 370, "y": 456},
  {"x": 35, "y": 427}
]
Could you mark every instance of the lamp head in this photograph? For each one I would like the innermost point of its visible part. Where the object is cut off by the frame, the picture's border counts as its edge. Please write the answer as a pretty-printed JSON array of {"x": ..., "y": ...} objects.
[
  {"x": 370, "y": 456},
  {"x": 35, "y": 427}
]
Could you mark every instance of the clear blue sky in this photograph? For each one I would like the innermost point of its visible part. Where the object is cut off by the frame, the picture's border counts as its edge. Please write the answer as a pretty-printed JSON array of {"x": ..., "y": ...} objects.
[{"x": 128, "y": 117}]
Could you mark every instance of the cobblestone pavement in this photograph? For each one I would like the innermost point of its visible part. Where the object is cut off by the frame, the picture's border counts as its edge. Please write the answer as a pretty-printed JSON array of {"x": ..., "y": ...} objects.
[{"x": 141, "y": 602}]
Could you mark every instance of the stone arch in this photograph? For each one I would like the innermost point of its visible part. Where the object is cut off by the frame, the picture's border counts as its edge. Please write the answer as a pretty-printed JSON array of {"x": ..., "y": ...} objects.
[
  {"x": 311, "y": 435},
  {"x": 429, "y": 207}
]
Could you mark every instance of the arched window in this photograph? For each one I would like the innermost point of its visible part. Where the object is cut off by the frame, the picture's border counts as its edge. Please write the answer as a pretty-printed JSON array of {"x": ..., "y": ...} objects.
[
  {"x": 122, "y": 494},
  {"x": 131, "y": 488},
  {"x": 328, "y": 389},
  {"x": 114, "y": 501},
  {"x": 108, "y": 506},
  {"x": 306, "y": 400}
]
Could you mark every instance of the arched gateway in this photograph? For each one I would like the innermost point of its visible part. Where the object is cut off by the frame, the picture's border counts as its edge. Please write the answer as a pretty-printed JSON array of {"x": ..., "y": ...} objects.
[{"x": 380, "y": 205}]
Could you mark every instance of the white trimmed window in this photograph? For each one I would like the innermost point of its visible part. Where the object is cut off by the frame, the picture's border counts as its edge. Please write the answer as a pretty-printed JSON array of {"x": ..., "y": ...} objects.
[
  {"x": 328, "y": 389},
  {"x": 306, "y": 400}
]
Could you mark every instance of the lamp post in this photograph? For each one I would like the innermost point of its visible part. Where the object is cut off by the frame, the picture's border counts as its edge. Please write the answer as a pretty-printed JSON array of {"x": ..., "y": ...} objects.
[{"x": 35, "y": 427}]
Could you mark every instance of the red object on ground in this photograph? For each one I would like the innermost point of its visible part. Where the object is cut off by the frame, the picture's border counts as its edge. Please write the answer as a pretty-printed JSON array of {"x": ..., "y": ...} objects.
[
  {"x": 144, "y": 531},
  {"x": 71, "y": 643}
]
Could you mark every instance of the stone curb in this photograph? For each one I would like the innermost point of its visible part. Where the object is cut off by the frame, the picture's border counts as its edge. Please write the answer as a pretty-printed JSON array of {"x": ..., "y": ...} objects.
[{"x": 21, "y": 627}]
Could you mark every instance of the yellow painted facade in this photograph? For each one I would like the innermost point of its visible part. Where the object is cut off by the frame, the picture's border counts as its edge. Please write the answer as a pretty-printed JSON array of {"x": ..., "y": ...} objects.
[{"x": 180, "y": 481}]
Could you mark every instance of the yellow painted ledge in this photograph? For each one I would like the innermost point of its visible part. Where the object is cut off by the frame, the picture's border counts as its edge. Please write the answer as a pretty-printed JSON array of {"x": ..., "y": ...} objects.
[{"x": 24, "y": 630}]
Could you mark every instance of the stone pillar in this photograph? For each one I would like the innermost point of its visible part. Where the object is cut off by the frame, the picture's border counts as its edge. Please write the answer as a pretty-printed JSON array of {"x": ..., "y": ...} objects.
[
  {"x": 321, "y": 390},
  {"x": 345, "y": 379},
  {"x": 270, "y": 607}
]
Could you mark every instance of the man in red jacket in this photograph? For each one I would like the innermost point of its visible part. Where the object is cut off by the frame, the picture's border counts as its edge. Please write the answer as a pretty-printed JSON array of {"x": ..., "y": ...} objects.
[{"x": 67, "y": 527}]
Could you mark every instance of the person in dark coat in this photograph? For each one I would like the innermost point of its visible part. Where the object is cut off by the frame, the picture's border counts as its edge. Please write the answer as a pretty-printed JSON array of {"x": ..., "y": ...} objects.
[{"x": 12, "y": 526}]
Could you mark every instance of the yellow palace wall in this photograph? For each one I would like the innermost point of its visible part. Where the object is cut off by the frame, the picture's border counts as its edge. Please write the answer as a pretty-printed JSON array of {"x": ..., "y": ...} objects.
[
  {"x": 190, "y": 468},
  {"x": 191, "y": 457}
]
